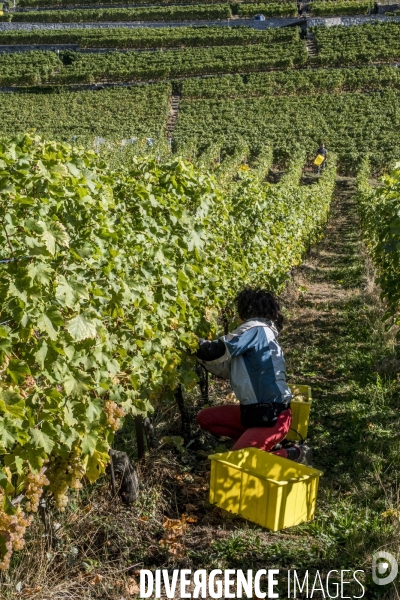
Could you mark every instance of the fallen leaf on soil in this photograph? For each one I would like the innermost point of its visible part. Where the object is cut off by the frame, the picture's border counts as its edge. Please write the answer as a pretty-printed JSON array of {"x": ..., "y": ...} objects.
[
  {"x": 174, "y": 523},
  {"x": 172, "y": 538},
  {"x": 96, "y": 579},
  {"x": 392, "y": 512},
  {"x": 132, "y": 587},
  {"x": 144, "y": 519},
  {"x": 74, "y": 517},
  {"x": 119, "y": 584},
  {"x": 29, "y": 591},
  {"x": 191, "y": 519},
  {"x": 194, "y": 490},
  {"x": 177, "y": 550}
]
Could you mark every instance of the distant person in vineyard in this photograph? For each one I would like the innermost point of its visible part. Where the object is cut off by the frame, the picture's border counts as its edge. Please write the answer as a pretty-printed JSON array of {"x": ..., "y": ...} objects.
[
  {"x": 323, "y": 152},
  {"x": 252, "y": 359}
]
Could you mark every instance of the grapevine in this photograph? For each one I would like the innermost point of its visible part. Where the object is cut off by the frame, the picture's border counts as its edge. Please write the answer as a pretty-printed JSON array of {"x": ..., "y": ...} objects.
[
  {"x": 151, "y": 13},
  {"x": 13, "y": 524},
  {"x": 122, "y": 344},
  {"x": 379, "y": 212},
  {"x": 64, "y": 474},
  {"x": 114, "y": 414},
  {"x": 350, "y": 124},
  {"x": 40, "y": 67},
  {"x": 365, "y": 44},
  {"x": 34, "y": 483},
  {"x": 327, "y": 8},
  {"x": 119, "y": 37},
  {"x": 115, "y": 114}
]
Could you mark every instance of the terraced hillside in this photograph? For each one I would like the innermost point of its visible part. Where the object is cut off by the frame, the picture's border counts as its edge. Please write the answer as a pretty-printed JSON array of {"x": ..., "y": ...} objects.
[{"x": 268, "y": 87}]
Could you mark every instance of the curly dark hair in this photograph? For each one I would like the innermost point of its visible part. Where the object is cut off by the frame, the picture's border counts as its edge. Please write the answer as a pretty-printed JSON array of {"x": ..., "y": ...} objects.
[{"x": 256, "y": 302}]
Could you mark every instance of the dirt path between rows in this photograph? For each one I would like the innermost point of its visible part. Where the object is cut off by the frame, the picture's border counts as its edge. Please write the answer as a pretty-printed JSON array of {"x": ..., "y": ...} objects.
[{"x": 331, "y": 277}]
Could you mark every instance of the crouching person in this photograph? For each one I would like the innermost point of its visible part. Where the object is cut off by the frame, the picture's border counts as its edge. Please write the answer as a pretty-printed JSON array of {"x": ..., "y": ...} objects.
[{"x": 253, "y": 360}]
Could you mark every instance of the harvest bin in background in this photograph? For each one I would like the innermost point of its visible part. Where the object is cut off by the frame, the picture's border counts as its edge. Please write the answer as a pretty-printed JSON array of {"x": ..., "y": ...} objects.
[
  {"x": 264, "y": 488},
  {"x": 300, "y": 413}
]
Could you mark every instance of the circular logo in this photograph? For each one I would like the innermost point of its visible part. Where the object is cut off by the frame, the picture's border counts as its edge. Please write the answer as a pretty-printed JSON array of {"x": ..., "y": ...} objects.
[{"x": 384, "y": 568}]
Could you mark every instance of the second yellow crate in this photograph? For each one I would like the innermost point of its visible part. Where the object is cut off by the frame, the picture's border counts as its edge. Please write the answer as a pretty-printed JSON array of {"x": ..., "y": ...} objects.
[
  {"x": 264, "y": 488},
  {"x": 300, "y": 413}
]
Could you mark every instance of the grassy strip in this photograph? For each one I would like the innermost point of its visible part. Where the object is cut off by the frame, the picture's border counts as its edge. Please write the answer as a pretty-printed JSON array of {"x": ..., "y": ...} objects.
[{"x": 351, "y": 363}]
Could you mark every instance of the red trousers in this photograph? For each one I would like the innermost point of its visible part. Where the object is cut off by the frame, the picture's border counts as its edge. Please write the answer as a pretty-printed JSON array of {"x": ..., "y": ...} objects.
[{"x": 225, "y": 420}]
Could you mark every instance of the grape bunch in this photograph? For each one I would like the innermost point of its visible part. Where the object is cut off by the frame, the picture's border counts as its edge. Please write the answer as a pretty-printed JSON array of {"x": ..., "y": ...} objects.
[
  {"x": 298, "y": 396},
  {"x": 12, "y": 530},
  {"x": 34, "y": 483},
  {"x": 63, "y": 474},
  {"x": 114, "y": 414}
]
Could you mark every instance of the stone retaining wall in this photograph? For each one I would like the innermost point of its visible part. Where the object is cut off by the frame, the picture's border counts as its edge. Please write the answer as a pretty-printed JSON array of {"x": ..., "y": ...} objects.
[
  {"x": 384, "y": 8},
  {"x": 347, "y": 21}
]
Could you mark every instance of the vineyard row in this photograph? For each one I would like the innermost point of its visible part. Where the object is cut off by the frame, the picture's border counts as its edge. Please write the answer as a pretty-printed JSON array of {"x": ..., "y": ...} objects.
[
  {"x": 230, "y": 110},
  {"x": 351, "y": 124},
  {"x": 170, "y": 37},
  {"x": 164, "y": 12},
  {"x": 152, "y": 13},
  {"x": 125, "y": 270},
  {"x": 250, "y": 50},
  {"x": 36, "y": 67},
  {"x": 379, "y": 209},
  {"x": 357, "y": 44}
]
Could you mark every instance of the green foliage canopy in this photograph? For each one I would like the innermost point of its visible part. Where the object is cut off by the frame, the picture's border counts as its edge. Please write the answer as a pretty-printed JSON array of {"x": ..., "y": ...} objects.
[{"x": 108, "y": 277}]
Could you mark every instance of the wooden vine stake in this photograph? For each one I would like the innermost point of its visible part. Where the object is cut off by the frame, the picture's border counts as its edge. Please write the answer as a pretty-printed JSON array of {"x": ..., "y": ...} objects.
[{"x": 139, "y": 436}]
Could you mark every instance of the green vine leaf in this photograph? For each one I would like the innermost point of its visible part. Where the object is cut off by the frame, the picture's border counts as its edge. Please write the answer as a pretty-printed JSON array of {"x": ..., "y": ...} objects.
[
  {"x": 18, "y": 370},
  {"x": 46, "y": 326},
  {"x": 54, "y": 233},
  {"x": 12, "y": 404},
  {"x": 41, "y": 440},
  {"x": 81, "y": 329}
]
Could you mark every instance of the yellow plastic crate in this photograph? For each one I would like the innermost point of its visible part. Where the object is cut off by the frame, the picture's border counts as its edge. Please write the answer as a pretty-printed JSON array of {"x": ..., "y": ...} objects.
[
  {"x": 264, "y": 488},
  {"x": 300, "y": 413},
  {"x": 319, "y": 160}
]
